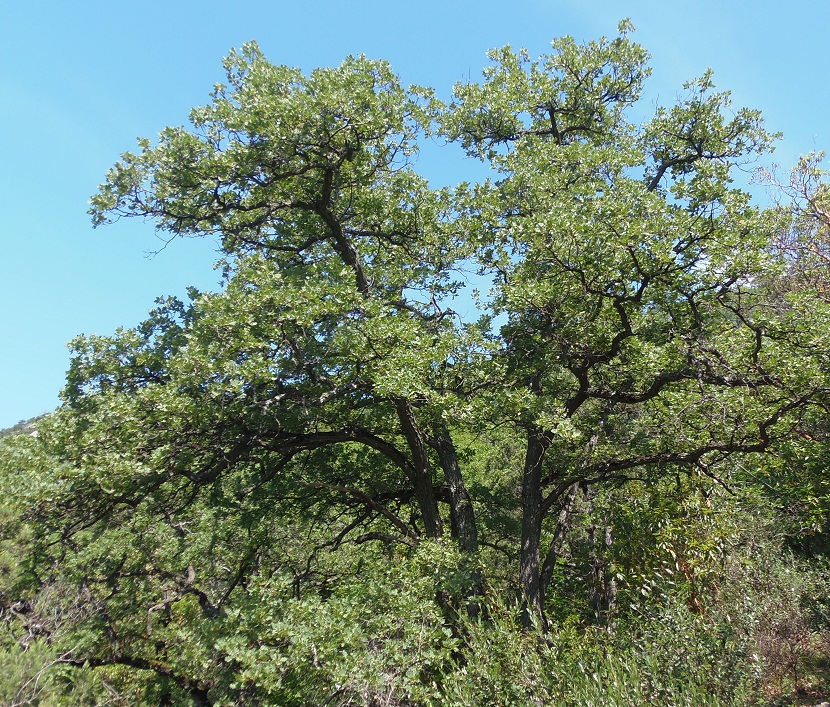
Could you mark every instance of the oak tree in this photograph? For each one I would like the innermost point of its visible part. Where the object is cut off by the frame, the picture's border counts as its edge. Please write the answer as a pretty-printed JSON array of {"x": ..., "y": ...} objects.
[{"x": 330, "y": 397}]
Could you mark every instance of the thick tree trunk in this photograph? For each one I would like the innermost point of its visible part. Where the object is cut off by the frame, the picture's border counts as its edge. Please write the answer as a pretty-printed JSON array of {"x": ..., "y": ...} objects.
[
  {"x": 529, "y": 575},
  {"x": 422, "y": 481}
]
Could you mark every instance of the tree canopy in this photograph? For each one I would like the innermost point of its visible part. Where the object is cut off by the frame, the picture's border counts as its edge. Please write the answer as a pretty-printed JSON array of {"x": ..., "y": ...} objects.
[{"x": 252, "y": 469}]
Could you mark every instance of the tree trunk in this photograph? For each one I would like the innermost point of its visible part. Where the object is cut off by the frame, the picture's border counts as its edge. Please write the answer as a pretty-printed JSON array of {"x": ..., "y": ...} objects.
[
  {"x": 602, "y": 587},
  {"x": 529, "y": 575},
  {"x": 422, "y": 481},
  {"x": 562, "y": 526},
  {"x": 565, "y": 511},
  {"x": 462, "y": 514}
]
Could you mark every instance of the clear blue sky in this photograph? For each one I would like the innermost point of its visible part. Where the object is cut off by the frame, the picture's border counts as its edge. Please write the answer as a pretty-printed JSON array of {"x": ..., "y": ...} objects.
[{"x": 83, "y": 79}]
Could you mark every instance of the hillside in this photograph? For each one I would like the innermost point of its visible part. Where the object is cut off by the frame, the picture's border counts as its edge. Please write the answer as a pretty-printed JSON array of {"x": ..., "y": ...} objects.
[{"x": 22, "y": 427}]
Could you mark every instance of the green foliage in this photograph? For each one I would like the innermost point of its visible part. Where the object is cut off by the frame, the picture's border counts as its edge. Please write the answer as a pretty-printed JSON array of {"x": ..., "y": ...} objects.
[{"x": 320, "y": 486}]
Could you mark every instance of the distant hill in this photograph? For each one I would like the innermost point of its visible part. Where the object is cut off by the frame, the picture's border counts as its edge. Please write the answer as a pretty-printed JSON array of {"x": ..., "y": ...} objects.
[{"x": 22, "y": 427}]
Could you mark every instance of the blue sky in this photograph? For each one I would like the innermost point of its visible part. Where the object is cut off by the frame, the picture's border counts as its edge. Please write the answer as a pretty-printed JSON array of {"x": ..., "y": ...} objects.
[{"x": 82, "y": 80}]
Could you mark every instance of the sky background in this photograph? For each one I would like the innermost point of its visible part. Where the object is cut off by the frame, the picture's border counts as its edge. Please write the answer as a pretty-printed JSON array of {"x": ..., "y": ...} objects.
[{"x": 82, "y": 80}]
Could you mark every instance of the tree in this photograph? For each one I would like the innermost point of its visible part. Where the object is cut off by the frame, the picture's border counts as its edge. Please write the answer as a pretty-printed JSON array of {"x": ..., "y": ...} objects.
[
  {"x": 636, "y": 336},
  {"x": 329, "y": 397},
  {"x": 803, "y": 239},
  {"x": 624, "y": 298}
]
